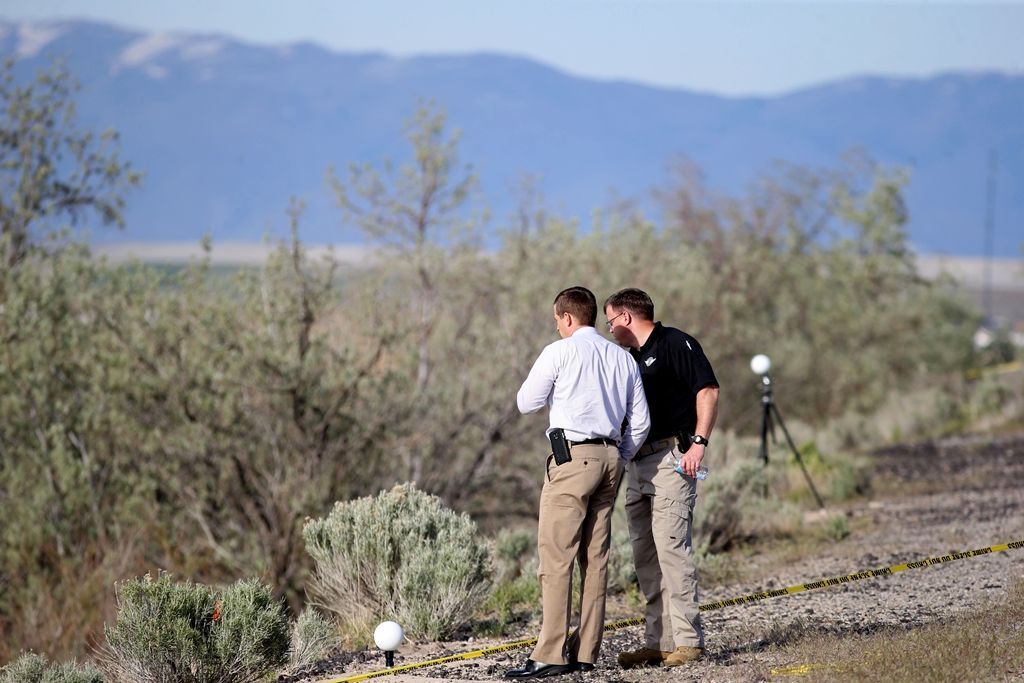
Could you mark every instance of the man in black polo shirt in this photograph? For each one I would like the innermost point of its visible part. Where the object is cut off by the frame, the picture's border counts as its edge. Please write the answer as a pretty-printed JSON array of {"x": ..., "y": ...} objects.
[{"x": 661, "y": 484}]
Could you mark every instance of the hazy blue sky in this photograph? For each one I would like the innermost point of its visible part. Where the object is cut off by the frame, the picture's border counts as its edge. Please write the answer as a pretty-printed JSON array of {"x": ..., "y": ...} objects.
[{"x": 756, "y": 47}]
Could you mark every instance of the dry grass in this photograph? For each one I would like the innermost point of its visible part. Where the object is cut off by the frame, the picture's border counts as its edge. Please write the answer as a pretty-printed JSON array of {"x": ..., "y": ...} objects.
[{"x": 982, "y": 645}]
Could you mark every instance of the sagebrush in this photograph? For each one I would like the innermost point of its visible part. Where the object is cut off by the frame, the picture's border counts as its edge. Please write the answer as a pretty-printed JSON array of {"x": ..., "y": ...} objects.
[
  {"x": 314, "y": 636},
  {"x": 189, "y": 633},
  {"x": 400, "y": 555},
  {"x": 34, "y": 668}
]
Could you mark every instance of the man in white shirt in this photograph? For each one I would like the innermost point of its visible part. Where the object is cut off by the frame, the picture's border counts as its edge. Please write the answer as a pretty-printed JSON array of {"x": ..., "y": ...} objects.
[{"x": 594, "y": 390}]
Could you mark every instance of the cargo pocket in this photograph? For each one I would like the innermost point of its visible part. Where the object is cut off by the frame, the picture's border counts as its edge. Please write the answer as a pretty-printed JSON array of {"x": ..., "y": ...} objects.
[{"x": 673, "y": 515}]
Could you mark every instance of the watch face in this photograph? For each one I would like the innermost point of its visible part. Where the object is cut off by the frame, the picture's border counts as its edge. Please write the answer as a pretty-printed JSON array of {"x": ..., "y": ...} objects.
[{"x": 697, "y": 438}]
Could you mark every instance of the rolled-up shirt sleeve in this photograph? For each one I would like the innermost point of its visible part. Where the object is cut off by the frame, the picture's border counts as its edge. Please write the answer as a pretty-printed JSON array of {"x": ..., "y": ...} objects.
[
  {"x": 638, "y": 418},
  {"x": 536, "y": 390}
]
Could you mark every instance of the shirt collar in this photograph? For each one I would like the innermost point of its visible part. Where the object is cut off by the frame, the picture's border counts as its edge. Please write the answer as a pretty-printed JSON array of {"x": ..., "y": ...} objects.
[{"x": 656, "y": 334}]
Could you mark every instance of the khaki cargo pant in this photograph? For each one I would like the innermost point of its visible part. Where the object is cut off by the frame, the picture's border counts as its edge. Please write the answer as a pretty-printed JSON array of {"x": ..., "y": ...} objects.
[
  {"x": 575, "y": 524},
  {"x": 659, "y": 506}
]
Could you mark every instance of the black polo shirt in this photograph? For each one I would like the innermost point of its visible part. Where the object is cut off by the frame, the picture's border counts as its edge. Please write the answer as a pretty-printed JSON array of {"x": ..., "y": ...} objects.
[{"x": 673, "y": 368}]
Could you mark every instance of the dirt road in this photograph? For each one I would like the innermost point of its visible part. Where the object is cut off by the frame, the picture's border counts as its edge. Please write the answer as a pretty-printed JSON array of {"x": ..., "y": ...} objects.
[{"x": 929, "y": 499}]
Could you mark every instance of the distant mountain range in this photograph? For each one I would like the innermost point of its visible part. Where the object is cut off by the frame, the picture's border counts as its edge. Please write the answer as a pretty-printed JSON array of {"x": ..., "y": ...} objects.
[{"x": 226, "y": 132}]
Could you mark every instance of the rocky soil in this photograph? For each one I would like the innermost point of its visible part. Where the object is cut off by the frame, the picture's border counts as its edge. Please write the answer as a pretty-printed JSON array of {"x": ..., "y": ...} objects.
[{"x": 930, "y": 499}]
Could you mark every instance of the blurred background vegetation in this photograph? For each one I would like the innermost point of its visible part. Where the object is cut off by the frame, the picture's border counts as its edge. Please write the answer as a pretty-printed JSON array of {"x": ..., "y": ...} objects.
[{"x": 190, "y": 420}]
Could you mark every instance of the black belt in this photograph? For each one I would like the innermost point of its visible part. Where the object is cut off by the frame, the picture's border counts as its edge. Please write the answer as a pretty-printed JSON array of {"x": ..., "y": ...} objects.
[
  {"x": 652, "y": 447},
  {"x": 597, "y": 441}
]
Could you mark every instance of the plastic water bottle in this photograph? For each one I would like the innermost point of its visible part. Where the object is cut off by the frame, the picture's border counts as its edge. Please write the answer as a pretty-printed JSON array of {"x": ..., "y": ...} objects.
[{"x": 702, "y": 471}]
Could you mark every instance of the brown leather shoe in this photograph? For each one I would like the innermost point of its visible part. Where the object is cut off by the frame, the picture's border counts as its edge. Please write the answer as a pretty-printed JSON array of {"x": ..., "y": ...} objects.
[
  {"x": 683, "y": 654},
  {"x": 645, "y": 656}
]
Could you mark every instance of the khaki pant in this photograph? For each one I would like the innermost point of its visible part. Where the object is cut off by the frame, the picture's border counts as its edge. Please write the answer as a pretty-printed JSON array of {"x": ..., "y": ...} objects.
[
  {"x": 575, "y": 524},
  {"x": 659, "y": 506}
]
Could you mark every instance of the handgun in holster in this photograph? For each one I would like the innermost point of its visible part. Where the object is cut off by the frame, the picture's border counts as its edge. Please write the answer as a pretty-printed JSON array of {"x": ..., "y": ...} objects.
[{"x": 684, "y": 441}]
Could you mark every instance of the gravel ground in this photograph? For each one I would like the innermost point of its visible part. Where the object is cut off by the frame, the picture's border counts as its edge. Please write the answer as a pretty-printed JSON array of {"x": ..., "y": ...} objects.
[{"x": 931, "y": 499}]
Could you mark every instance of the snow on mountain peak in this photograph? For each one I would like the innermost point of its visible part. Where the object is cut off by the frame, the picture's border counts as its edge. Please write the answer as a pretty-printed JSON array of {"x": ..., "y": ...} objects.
[{"x": 34, "y": 37}]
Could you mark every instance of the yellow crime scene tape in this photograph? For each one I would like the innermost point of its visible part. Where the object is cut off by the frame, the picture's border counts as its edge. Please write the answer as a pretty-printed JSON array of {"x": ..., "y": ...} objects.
[
  {"x": 1001, "y": 369},
  {"x": 801, "y": 669},
  {"x": 707, "y": 607}
]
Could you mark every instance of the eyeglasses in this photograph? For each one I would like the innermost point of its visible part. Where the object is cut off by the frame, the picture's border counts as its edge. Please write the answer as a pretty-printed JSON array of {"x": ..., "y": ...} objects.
[{"x": 609, "y": 322}]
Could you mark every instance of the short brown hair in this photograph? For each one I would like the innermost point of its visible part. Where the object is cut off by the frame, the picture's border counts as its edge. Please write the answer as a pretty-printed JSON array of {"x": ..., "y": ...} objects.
[
  {"x": 636, "y": 301},
  {"x": 579, "y": 302}
]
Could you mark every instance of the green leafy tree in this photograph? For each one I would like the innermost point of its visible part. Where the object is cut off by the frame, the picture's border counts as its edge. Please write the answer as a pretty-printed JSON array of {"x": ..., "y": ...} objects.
[
  {"x": 51, "y": 171},
  {"x": 814, "y": 269},
  {"x": 440, "y": 288},
  {"x": 73, "y": 488},
  {"x": 265, "y": 399}
]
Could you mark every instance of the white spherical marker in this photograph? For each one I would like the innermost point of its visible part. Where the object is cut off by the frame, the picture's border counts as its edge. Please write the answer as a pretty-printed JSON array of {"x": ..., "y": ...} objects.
[
  {"x": 388, "y": 636},
  {"x": 760, "y": 364}
]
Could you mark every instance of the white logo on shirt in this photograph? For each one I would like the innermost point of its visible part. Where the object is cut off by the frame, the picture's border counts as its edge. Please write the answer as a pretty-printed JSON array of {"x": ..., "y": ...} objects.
[
  {"x": 688, "y": 345},
  {"x": 649, "y": 361}
]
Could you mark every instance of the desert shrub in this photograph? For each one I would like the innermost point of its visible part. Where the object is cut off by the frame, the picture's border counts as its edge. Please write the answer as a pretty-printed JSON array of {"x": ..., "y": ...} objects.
[
  {"x": 513, "y": 601},
  {"x": 749, "y": 476},
  {"x": 28, "y": 668},
  {"x": 714, "y": 568},
  {"x": 167, "y": 631},
  {"x": 847, "y": 477},
  {"x": 313, "y": 637},
  {"x": 162, "y": 631},
  {"x": 401, "y": 555},
  {"x": 949, "y": 415},
  {"x": 72, "y": 672},
  {"x": 749, "y": 500},
  {"x": 511, "y": 550},
  {"x": 837, "y": 476},
  {"x": 251, "y": 637},
  {"x": 834, "y": 528},
  {"x": 515, "y": 595},
  {"x": 989, "y": 396},
  {"x": 33, "y": 668},
  {"x": 718, "y": 517}
]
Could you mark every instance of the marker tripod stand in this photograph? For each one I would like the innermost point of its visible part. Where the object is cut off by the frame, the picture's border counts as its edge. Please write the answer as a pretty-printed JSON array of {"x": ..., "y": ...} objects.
[{"x": 770, "y": 415}]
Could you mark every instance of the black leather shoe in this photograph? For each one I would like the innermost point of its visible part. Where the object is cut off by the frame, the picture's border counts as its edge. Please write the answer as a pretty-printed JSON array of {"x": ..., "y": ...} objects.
[
  {"x": 534, "y": 669},
  {"x": 584, "y": 666}
]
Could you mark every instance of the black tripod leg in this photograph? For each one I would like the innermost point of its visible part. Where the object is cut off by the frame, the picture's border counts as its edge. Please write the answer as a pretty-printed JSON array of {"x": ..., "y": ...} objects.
[
  {"x": 766, "y": 421},
  {"x": 800, "y": 460}
]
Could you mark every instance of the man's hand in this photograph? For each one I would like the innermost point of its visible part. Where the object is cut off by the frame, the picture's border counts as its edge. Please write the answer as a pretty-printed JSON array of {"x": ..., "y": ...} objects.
[{"x": 692, "y": 458}]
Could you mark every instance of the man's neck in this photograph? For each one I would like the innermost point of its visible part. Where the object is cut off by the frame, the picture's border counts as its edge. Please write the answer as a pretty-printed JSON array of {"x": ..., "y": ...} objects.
[{"x": 643, "y": 333}]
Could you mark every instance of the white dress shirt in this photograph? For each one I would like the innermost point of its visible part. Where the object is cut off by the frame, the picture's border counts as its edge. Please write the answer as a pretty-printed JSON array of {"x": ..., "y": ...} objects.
[{"x": 591, "y": 385}]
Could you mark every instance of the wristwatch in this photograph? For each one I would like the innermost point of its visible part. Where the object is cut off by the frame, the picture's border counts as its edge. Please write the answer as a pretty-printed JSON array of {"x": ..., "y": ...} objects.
[{"x": 698, "y": 439}]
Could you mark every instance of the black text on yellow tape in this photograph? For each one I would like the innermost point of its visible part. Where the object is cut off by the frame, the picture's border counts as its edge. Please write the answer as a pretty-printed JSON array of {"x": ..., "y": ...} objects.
[{"x": 707, "y": 607}]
